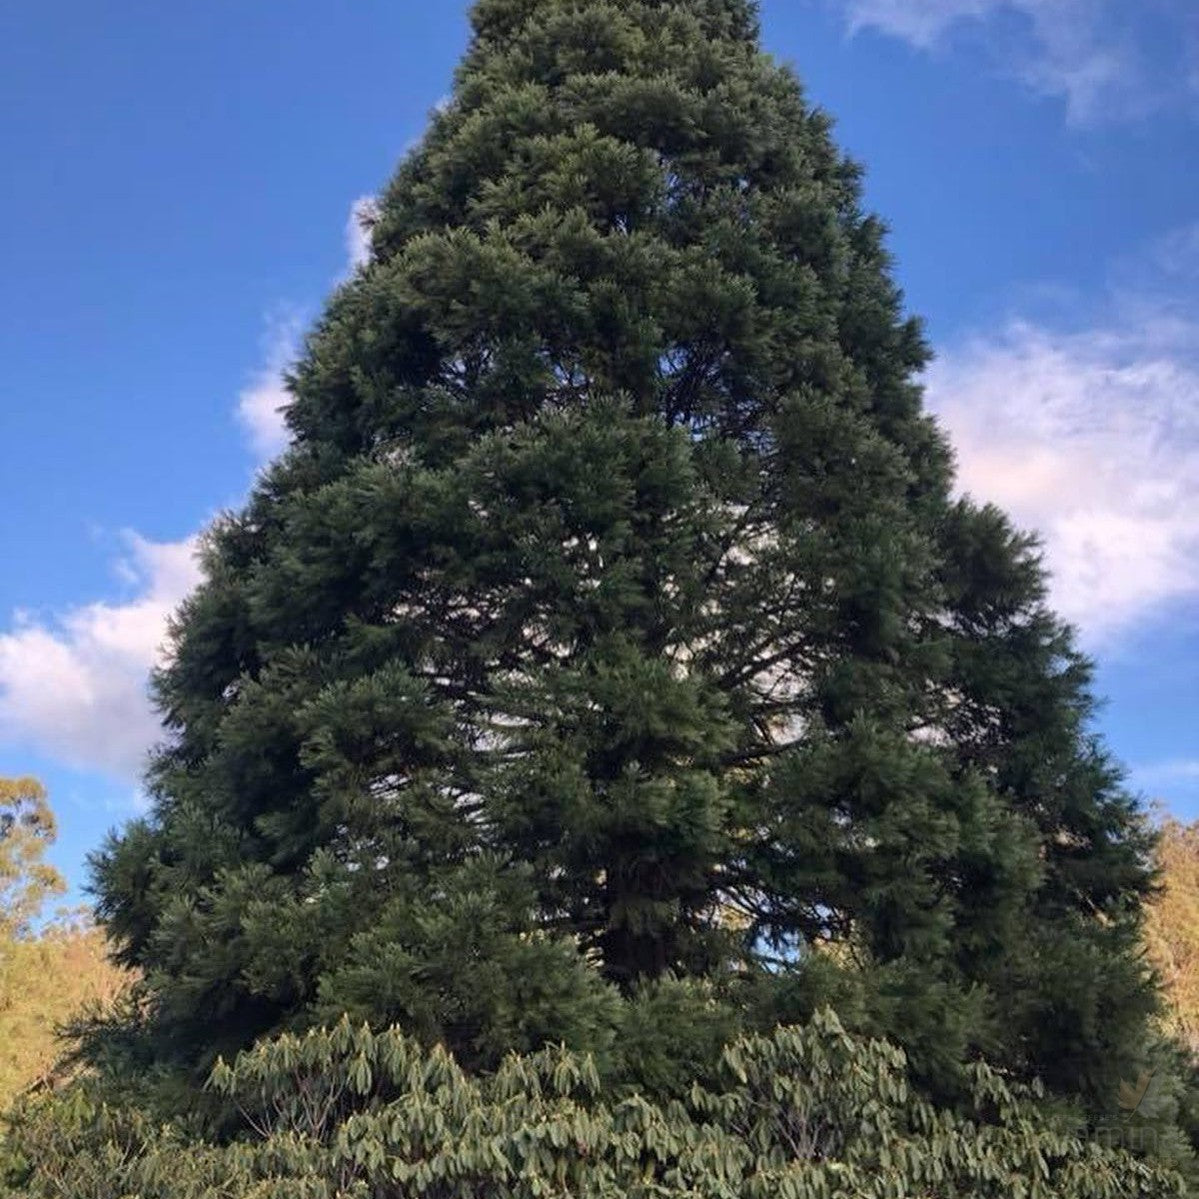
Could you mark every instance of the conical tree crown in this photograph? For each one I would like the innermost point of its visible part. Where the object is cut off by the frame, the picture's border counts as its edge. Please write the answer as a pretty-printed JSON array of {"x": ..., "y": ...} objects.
[{"x": 608, "y": 640}]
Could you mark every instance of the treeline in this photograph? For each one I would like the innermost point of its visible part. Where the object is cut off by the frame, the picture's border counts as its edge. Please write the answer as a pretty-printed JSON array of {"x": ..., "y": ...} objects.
[{"x": 608, "y": 694}]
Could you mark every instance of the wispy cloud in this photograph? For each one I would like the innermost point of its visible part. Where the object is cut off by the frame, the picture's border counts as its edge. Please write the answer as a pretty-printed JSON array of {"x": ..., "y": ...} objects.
[
  {"x": 358, "y": 232},
  {"x": 1177, "y": 770},
  {"x": 921, "y": 22},
  {"x": 1174, "y": 784},
  {"x": 74, "y": 687},
  {"x": 261, "y": 403},
  {"x": 1107, "y": 59},
  {"x": 73, "y": 684},
  {"x": 1090, "y": 437}
]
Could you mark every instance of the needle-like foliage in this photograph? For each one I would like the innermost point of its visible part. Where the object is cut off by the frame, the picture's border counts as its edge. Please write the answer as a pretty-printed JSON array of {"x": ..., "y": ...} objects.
[{"x": 608, "y": 661}]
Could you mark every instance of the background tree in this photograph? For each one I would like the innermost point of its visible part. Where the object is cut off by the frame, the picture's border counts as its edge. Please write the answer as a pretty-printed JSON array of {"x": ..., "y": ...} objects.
[
  {"x": 51, "y": 968},
  {"x": 607, "y": 661},
  {"x": 1172, "y": 927},
  {"x": 27, "y": 830},
  {"x": 46, "y": 983}
]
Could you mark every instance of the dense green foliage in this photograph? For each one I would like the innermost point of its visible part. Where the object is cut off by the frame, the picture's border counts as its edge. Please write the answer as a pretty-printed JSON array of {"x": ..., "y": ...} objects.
[
  {"x": 810, "y": 1114},
  {"x": 607, "y": 662}
]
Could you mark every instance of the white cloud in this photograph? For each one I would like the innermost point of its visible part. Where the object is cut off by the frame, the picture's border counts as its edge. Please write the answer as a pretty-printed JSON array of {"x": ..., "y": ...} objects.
[
  {"x": 1172, "y": 784},
  {"x": 74, "y": 687},
  {"x": 358, "y": 232},
  {"x": 921, "y": 22},
  {"x": 1092, "y": 438},
  {"x": 1179, "y": 770},
  {"x": 1105, "y": 58},
  {"x": 260, "y": 405}
]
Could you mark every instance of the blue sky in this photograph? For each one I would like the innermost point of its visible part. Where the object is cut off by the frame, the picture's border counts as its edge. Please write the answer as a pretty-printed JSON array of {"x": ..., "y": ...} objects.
[{"x": 180, "y": 185}]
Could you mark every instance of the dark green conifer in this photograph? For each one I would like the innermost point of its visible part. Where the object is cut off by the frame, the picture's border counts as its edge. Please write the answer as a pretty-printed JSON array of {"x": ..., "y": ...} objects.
[{"x": 607, "y": 654}]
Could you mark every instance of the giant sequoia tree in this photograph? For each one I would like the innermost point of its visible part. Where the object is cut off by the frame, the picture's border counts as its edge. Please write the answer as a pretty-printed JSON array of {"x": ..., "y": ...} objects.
[{"x": 606, "y": 662}]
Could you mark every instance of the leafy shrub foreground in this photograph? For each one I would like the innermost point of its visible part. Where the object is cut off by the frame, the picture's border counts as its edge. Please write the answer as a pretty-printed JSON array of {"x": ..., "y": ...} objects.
[{"x": 805, "y": 1113}]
